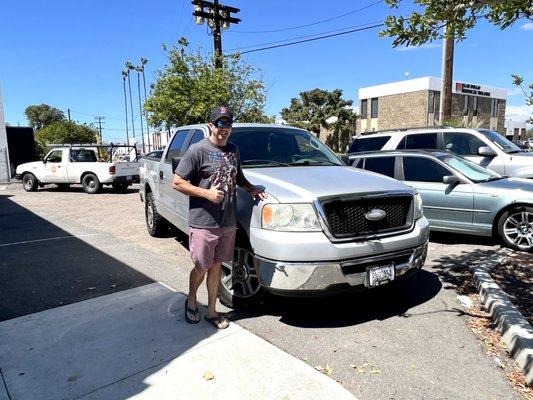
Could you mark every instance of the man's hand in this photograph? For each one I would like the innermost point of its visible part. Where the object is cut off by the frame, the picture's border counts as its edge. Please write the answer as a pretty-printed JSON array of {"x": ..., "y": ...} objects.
[
  {"x": 214, "y": 194},
  {"x": 258, "y": 193}
]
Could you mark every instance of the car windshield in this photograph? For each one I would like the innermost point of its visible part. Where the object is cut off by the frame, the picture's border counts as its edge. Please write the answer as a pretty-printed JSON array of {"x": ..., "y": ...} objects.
[
  {"x": 281, "y": 147},
  {"x": 471, "y": 170},
  {"x": 500, "y": 141}
]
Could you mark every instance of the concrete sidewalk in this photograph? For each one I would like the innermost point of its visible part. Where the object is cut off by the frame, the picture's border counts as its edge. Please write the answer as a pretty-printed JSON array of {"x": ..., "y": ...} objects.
[{"x": 136, "y": 344}]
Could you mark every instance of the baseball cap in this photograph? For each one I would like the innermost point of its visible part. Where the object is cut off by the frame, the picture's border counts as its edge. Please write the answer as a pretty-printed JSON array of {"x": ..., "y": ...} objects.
[{"x": 221, "y": 111}]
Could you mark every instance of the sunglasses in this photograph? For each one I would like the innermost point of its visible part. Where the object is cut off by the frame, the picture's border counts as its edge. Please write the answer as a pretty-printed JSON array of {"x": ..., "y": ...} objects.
[{"x": 223, "y": 124}]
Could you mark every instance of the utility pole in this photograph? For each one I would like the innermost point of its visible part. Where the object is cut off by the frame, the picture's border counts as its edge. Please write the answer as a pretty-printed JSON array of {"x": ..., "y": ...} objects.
[
  {"x": 129, "y": 67},
  {"x": 445, "y": 104},
  {"x": 218, "y": 16},
  {"x": 144, "y": 61},
  {"x": 140, "y": 105},
  {"x": 68, "y": 113},
  {"x": 99, "y": 119}
]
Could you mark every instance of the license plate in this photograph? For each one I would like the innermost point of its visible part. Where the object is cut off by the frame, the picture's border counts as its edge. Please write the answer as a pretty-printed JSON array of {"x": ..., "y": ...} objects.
[
  {"x": 379, "y": 275},
  {"x": 129, "y": 178}
]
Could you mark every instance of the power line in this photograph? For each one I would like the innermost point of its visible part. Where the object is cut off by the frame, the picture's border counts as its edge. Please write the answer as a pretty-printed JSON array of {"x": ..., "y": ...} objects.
[
  {"x": 309, "y": 40},
  {"x": 93, "y": 115},
  {"x": 313, "y": 23},
  {"x": 302, "y": 37}
]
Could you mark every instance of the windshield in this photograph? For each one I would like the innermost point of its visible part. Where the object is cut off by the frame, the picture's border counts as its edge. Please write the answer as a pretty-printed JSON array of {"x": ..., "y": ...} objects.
[
  {"x": 281, "y": 147},
  {"x": 500, "y": 141},
  {"x": 471, "y": 170}
]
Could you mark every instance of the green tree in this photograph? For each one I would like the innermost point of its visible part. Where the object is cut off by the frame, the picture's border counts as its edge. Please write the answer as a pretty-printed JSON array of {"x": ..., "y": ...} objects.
[
  {"x": 519, "y": 81},
  {"x": 42, "y": 115},
  {"x": 451, "y": 19},
  {"x": 314, "y": 108},
  {"x": 64, "y": 132},
  {"x": 457, "y": 15},
  {"x": 189, "y": 87}
]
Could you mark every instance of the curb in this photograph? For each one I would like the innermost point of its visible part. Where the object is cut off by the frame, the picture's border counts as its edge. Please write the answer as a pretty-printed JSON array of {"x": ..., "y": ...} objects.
[{"x": 516, "y": 331}]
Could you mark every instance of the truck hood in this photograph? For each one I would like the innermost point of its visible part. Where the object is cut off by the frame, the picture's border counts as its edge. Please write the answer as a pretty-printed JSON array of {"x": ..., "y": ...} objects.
[
  {"x": 28, "y": 166},
  {"x": 306, "y": 183}
]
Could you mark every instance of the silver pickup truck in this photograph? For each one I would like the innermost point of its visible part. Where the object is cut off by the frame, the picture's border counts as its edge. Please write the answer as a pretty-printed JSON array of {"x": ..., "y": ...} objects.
[{"x": 324, "y": 227}]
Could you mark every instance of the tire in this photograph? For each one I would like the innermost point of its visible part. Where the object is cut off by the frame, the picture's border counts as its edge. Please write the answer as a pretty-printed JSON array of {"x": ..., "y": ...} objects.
[
  {"x": 239, "y": 284},
  {"x": 29, "y": 182},
  {"x": 63, "y": 186},
  {"x": 120, "y": 187},
  {"x": 515, "y": 228},
  {"x": 157, "y": 225},
  {"x": 91, "y": 184}
]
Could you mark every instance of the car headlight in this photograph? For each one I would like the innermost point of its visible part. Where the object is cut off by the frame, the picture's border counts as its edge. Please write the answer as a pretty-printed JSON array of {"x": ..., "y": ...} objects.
[
  {"x": 419, "y": 209},
  {"x": 290, "y": 217}
]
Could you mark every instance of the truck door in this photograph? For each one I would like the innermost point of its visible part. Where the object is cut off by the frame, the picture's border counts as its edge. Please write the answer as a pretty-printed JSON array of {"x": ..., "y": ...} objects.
[
  {"x": 168, "y": 197},
  {"x": 55, "y": 166}
]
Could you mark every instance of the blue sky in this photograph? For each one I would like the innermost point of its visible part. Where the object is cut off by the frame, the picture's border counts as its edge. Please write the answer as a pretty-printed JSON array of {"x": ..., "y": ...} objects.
[{"x": 69, "y": 54}]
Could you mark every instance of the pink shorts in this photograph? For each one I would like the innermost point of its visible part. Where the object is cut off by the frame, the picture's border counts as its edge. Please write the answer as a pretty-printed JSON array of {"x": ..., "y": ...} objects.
[{"x": 208, "y": 245}]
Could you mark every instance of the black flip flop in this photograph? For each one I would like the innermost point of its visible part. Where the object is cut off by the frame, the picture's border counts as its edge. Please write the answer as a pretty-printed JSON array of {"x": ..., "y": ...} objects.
[
  {"x": 192, "y": 311},
  {"x": 217, "y": 320}
]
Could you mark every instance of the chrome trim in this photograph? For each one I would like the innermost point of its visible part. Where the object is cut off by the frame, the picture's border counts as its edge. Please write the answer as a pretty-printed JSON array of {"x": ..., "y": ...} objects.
[
  {"x": 322, "y": 218},
  {"x": 319, "y": 276}
]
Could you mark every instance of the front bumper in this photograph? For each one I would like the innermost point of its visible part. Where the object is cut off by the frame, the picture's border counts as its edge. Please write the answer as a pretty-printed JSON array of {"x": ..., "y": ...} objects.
[{"x": 281, "y": 277}]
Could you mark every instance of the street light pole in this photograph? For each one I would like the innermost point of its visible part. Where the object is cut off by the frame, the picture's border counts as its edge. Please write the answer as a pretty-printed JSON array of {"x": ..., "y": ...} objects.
[
  {"x": 144, "y": 61},
  {"x": 140, "y": 106},
  {"x": 124, "y": 75},
  {"x": 129, "y": 67}
]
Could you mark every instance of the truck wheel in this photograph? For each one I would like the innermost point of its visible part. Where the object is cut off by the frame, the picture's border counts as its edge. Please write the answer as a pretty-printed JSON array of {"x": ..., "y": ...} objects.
[
  {"x": 120, "y": 187},
  {"x": 239, "y": 284},
  {"x": 29, "y": 182},
  {"x": 156, "y": 224},
  {"x": 515, "y": 227},
  {"x": 63, "y": 186},
  {"x": 90, "y": 184}
]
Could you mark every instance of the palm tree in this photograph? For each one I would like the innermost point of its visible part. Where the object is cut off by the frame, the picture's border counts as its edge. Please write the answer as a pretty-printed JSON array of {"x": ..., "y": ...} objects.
[
  {"x": 138, "y": 69},
  {"x": 129, "y": 67},
  {"x": 144, "y": 61}
]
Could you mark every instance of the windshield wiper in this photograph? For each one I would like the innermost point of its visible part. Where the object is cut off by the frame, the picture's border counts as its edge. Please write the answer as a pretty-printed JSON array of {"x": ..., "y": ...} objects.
[
  {"x": 259, "y": 161},
  {"x": 494, "y": 178},
  {"x": 515, "y": 151},
  {"x": 314, "y": 162}
]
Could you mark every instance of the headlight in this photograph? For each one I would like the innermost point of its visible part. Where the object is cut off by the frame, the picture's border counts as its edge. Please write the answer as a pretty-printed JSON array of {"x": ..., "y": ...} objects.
[
  {"x": 290, "y": 217},
  {"x": 419, "y": 209}
]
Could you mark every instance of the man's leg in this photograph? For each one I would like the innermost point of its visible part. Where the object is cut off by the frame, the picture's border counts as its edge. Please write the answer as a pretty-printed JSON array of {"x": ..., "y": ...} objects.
[
  {"x": 213, "y": 284},
  {"x": 195, "y": 280}
]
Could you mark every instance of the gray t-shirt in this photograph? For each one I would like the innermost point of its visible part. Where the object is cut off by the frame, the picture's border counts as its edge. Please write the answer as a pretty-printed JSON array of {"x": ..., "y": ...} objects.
[{"x": 205, "y": 165}]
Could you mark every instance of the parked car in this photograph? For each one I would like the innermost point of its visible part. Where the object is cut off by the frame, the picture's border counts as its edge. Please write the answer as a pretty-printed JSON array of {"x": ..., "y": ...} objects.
[
  {"x": 482, "y": 146},
  {"x": 461, "y": 196},
  {"x": 324, "y": 227},
  {"x": 68, "y": 164}
]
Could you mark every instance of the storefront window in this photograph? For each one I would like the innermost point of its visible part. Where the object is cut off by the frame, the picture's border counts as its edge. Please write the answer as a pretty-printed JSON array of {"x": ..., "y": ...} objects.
[{"x": 374, "y": 108}]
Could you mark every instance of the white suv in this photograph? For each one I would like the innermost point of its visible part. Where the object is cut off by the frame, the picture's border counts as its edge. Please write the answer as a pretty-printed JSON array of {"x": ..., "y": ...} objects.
[{"x": 482, "y": 146}]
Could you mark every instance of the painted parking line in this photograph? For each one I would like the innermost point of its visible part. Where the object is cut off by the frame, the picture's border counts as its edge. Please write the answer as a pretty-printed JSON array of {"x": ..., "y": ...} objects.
[{"x": 47, "y": 239}]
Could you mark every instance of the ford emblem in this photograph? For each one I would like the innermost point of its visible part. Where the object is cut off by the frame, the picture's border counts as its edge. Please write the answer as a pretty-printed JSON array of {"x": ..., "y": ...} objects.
[{"x": 375, "y": 214}]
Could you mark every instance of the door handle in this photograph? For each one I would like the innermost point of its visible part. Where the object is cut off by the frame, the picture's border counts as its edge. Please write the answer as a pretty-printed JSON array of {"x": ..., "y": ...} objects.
[{"x": 161, "y": 175}]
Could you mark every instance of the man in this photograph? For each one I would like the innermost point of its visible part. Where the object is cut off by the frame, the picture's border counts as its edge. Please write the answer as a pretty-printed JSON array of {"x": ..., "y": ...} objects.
[{"x": 209, "y": 172}]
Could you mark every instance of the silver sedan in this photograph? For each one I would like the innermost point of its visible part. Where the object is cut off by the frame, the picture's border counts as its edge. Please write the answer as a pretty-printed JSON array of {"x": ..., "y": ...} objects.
[{"x": 459, "y": 195}]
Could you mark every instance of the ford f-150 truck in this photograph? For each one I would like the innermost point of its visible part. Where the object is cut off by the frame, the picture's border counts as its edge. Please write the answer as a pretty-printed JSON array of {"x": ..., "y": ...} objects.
[
  {"x": 68, "y": 164},
  {"x": 324, "y": 227}
]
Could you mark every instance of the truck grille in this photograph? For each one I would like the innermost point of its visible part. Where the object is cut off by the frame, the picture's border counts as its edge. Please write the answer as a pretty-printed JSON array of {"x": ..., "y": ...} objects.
[{"x": 346, "y": 217}]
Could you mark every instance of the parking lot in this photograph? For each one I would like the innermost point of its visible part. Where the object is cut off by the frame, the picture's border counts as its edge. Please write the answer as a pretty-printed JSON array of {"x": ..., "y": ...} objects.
[{"x": 409, "y": 340}]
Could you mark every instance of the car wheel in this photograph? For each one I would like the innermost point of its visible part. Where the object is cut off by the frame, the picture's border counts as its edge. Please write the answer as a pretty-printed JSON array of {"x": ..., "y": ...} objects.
[
  {"x": 90, "y": 184},
  {"x": 29, "y": 182},
  {"x": 155, "y": 223},
  {"x": 239, "y": 283},
  {"x": 120, "y": 187},
  {"x": 515, "y": 227}
]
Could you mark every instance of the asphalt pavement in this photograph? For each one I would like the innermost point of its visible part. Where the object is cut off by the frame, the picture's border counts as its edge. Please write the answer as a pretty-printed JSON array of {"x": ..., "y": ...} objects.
[{"x": 406, "y": 341}]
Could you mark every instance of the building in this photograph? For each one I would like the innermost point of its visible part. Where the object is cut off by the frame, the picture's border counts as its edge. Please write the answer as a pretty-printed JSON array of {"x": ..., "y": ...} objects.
[
  {"x": 415, "y": 103},
  {"x": 5, "y": 168},
  {"x": 515, "y": 130}
]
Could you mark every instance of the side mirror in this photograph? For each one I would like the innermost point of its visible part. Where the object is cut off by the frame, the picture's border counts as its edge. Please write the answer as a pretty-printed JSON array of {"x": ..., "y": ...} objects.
[
  {"x": 345, "y": 159},
  {"x": 44, "y": 160},
  {"x": 451, "y": 180},
  {"x": 175, "y": 162},
  {"x": 486, "y": 151}
]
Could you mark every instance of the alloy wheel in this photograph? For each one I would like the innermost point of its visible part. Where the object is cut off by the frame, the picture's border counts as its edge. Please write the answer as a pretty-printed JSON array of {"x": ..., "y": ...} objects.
[
  {"x": 518, "y": 229},
  {"x": 239, "y": 276}
]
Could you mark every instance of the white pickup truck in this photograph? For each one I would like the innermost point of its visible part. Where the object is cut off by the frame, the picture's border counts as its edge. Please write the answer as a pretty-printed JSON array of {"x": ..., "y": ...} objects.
[{"x": 68, "y": 164}]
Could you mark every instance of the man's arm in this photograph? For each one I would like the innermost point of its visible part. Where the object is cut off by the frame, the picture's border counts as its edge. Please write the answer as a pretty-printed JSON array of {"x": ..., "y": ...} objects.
[{"x": 212, "y": 194}]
